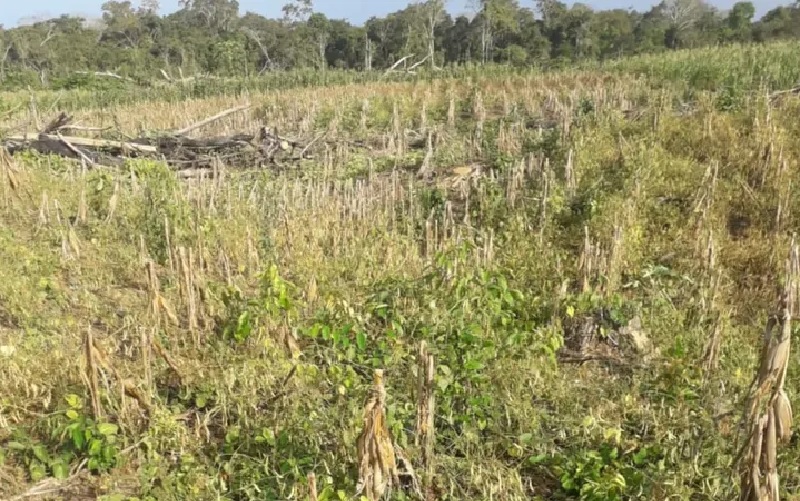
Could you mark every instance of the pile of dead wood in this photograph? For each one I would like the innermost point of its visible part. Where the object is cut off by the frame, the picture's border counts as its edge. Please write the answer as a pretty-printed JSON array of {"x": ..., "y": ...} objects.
[{"x": 176, "y": 148}]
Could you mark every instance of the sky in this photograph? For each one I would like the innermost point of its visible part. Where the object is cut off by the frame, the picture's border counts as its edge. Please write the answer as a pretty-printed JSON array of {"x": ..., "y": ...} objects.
[{"x": 357, "y": 11}]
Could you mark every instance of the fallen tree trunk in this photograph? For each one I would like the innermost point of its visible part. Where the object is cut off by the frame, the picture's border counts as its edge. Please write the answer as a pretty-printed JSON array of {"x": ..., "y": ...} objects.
[{"x": 84, "y": 142}]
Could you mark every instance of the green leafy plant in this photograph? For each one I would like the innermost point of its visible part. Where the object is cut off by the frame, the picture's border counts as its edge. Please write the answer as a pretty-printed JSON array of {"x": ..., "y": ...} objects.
[
  {"x": 604, "y": 473},
  {"x": 97, "y": 442},
  {"x": 75, "y": 436},
  {"x": 274, "y": 303}
]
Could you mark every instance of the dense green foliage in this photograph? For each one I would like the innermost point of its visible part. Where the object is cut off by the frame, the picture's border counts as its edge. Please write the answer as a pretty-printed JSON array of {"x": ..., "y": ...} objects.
[{"x": 213, "y": 37}]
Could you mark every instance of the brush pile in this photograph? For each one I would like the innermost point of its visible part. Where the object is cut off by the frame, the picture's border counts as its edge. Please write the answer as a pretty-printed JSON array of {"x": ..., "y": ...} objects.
[{"x": 183, "y": 153}]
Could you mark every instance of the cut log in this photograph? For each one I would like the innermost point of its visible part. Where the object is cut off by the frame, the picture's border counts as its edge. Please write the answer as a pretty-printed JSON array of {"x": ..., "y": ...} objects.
[{"x": 85, "y": 142}]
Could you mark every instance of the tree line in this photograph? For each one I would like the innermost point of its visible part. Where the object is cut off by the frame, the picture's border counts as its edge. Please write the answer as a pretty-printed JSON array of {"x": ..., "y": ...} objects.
[{"x": 214, "y": 37}]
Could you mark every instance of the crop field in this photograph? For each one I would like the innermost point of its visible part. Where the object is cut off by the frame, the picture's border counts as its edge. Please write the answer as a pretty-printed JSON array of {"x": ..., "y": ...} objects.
[{"x": 495, "y": 284}]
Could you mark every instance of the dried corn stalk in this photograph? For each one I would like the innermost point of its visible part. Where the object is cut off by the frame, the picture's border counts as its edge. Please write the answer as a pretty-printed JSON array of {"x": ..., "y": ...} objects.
[
  {"x": 91, "y": 374},
  {"x": 377, "y": 470},
  {"x": 613, "y": 270},
  {"x": 426, "y": 404},
  {"x": 704, "y": 202},
  {"x": 312, "y": 487},
  {"x": 158, "y": 303},
  {"x": 96, "y": 360},
  {"x": 713, "y": 348},
  {"x": 769, "y": 412},
  {"x": 9, "y": 172},
  {"x": 589, "y": 260}
]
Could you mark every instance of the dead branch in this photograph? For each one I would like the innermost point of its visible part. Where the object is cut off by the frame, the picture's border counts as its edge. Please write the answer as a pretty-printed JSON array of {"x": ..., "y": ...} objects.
[
  {"x": 50, "y": 487},
  {"x": 75, "y": 150},
  {"x": 107, "y": 74},
  {"x": 50, "y": 35},
  {"x": 309, "y": 145},
  {"x": 84, "y": 128},
  {"x": 411, "y": 70},
  {"x": 780, "y": 93},
  {"x": 418, "y": 64},
  {"x": 398, "y": 63},
  {"x": 206, "y": 121}
]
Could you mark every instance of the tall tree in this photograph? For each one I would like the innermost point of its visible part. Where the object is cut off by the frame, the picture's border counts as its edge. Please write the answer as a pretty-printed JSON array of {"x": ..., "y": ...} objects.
[
  {"x": 578, "y": 23},
  {"x": 122, "y": 25},
  {"x": 555, "y": 23},
  {"x": 432, "y": 13},
  {"x": 496, "y": 16},
  {"x": 320, "y": 28},
  {"x": 681, "y": 15},
  {"x": 740, "y": 20},
  {"x": 377, "y": 33},
  {"x": 298, "y": 11},
  {"x": 149, "y": 6},
  {"x": 5, "y": 50},
  {"x": 531, "y": 36},
  {"x": 613, "y": 32},
  {"x": 218, "y": 15}
]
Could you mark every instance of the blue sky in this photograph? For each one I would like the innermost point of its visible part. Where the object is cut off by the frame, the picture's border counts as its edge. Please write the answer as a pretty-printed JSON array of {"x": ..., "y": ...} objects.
[{"x": 11, "y": 11}]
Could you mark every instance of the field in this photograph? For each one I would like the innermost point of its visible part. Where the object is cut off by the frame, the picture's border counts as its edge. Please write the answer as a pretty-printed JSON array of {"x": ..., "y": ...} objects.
[{"x": 592, "y": 259}]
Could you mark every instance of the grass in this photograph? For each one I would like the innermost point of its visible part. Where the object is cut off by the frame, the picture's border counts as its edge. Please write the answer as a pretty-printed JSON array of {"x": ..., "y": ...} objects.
[{"x": 236, "y": 322}]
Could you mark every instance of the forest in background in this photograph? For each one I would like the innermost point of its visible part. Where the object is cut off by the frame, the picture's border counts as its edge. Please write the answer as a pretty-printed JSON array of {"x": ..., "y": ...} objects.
[{"x": 213, "y": 37}]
